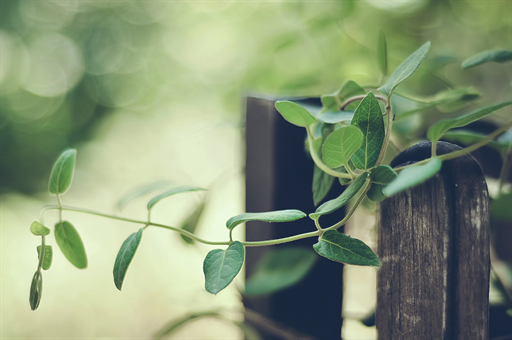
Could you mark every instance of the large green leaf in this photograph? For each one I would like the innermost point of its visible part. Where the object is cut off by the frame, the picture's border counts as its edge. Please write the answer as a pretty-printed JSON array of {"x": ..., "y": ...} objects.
[
  {"x": 279, "y": 269},
  {"x": 368, "y": 118},
  {"x": 295, "y": 114},
  {"x": 36, "y": 289},
  {"x": 62, "y": 172},
  {"x": 48, "y": 256},
  {"x": 345, "y": 249},
  {"x": 322, "y": 183},
  {"x": 341, "y": 144},
  {"x": 437, "y": 130},
  {"x": 269, "y": 216},
  {"x": 171, "y": 192},
  {"x": 405, "y": 70},
  {"x": 71, "y": 244},
  {"x": 382, "y": 54},
  {"x": 38, "y": 229},
  {"x": 191, "y": 221},
  {"x": 412, "y": 176},
  {"x": 332, "y": 102},
  {"x": 333, "y": 205},
  {"x": 125, "y": 257},
  {"x": 498, "y": 56},
  {"x": 221, "y": 266}
]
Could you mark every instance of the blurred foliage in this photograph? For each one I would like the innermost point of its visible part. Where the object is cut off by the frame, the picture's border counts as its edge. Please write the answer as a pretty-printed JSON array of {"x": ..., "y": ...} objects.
[{"x": 68, "y": 64}]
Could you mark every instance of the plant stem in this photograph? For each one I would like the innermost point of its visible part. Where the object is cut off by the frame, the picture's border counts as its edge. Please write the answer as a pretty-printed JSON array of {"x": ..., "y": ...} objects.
[
  {"x": 352, "y": 209},
  {"x": 389, "y": 114},
  {"x": 360, "y": 97},
  {"x": 41, "y": 253}
]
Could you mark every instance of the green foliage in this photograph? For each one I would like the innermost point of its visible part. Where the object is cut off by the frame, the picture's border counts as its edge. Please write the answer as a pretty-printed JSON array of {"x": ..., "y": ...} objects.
[
  {"x": 405, "y": 70},
  {"x": 38, "y": 229},
  {"x": 221, "y": 266},
  {"x": 269, "y": 216},
  {"x": 345, "y": 249},
  {"x": 125, "y": 257},
  {"x": 333, "y": 117},
  {"x": 497, "y": 56},
  {"x": 332, "y": 102},
  {"x": 140, "y": 191},
  {"x": 171, "y": 192},
  {"x": 339, "y": 147},
  {"x": 191, "y": 221},
  {"x": 412, "y": 176},
  {"x": 469, "y": 137},
  {"x": 382, "y": 54},
  {"x": 501, "y": 207},
  {"x": 322, "y": 183},
  {"x": 295, "y": 114},
  {"x": 280, "y": 269},
  {"x": 48, "y": 256},
  {"x": 71, "y": 244},
  {"x": 380, "y": 176},
  {"x": 36, "y": 289},
  {"x": 62, "y": 172},
  {"x": 368, "y": 118}
]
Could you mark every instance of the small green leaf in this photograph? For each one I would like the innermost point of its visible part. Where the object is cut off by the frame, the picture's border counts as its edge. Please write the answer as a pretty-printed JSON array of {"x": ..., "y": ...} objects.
[
  {"x": 38, "y": 229},
  {"x": 405, "y": 70},
  {"x": 125, "y": 257},
  {"x": 382, "y": 54},
  {"x": 322, "y": 183},
  {"x": 48, "y": 256},
  {"x": 36, "y": 289},
  {"x": 333, "y": 205},
  {"x": 375, "y": 193},
  {"x": 451, "y": 100},
  {"x": 221, "y": 266},
  {"x": 190, "y": 223},
  {"x": 437, "y": 130},
  {"x": 335, "y": 117},
  {"x": 62, "y": 172},
  {"x": 349, "y": 89},
  {"x": 71, "y": 244},
  {"x": 341, "y": 144},
  {"x": 171, "y": 192},
  {"x": 295, "y": 114},
  {"x": 368, "y": 118},
  {"x": 140, "y": 191},
  {"x": 412, "y": 176},
  {"x": 173, "y": 325},
  {"x": 469, "y": 137},
  {"x": 269, "y": 216},
  {"x": 345, "y": 249},
  {"x": 383, "y": 174},
  {"x": 497, "y": 56},
  {"x": 279, "y": 269}
]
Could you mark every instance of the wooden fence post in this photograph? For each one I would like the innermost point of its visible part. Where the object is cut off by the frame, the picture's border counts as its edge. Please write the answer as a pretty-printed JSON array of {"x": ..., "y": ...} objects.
[{"x": 433, "y": 282}]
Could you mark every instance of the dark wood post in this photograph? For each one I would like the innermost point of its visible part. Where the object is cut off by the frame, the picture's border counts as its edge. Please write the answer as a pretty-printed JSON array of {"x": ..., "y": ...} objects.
[
  {"x": 433, "y": 282},
  {"x": 279, "y": 175}
]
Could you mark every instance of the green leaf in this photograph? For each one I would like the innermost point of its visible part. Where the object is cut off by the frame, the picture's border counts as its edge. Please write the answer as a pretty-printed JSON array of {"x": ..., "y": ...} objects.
[
  {"x": 382, "y": 54},
  {"x": 335, "y": 117},
  {"x": 368, "y": 118},
  {"x": 333, "y": 205},
  {"x": 48, "y": 256},
  {"x": 173, "y": 325},
  {"x": 322, "y": 183},
  {"x": 269, "y": 216},
  {"x": 349, "y": 89},
  {"x": 451, "y": 100},
  {"x": 500, "y": 207},
  {"x": 438, "y": 129},
  {"x": 497, "y": 56},
  {"x": 36, "y": 289},
  {"x": 71, "y": 244},
  {"x": 171, "y": 192},
  {"x": 383, "y": 174},
  {"x": 412, "y": 176},
  {"x": 221, "y": 266},
  {"x": 190, "y": 223},
  {"x": 125, "y": 257},
  {"x": 405, "y": 70},
  {"x": 295, "y": 114},
  {"x": 279, "y": 269},
  {"x": 62, "y": 172},
  {"x": 140, "y": 191},
  {"x": 341, "y": 144},
  {"x": 469, "y": 137},
  {"x": 345, "y": 249},
  {"x": 38, "y": 229},
  {"x": 375, "y": 193}
]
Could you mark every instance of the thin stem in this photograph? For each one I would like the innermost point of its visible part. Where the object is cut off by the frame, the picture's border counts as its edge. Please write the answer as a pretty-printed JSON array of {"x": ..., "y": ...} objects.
[
  {"x": 60, "y": 208},
  {"x": 282, "y": 240},
  {"x": 317, "y": 224},
  {"x": 389, "y": 114},
  {"x": 352, "y": 209},
  {"x": 350, "y": 172},
  {"x": 360, "y": 97},
  {"x": 41, "y": 253}
]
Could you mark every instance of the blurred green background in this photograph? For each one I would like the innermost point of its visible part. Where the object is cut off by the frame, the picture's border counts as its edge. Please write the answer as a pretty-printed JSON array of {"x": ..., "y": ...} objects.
[{"x": 153, "y": 90}]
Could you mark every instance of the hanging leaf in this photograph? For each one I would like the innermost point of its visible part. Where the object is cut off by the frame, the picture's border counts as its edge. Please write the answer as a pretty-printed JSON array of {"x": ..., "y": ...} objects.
[
  {"x": 140, "y": 191},
  {"x": 62, "y": 172},
  {"x": 221, "y": 266},
  {"x": 38, "y": 229},
  {"x": 375, "y": 193},
  {"x": 405, "y": 70},
  {"x": 368, "y": 118},
  {"x": 497, "y": 56},
  {"x": 382, "y": 54},
  {"x": 71, "y": 244},
  {"x": 190, "y": 223},
  {"x": 345, "y": 249},
  {"x": 333, "y": 205},
  {"x": 437, "y": 130},
  {"x": 322, "y": 183},
  {"x": 125, "y": 257},
  {"x": 412, "y": 176},
  {"x": 171, "y": 192},
  {"x": 48, "y": 256},
  {"x": 36, "y": 289},
  {"x": 280, "y": 269},
  {"x": 383, "y": 174},
  {"x": 340, "y": 145},
  {"x": 270, "y": 216},
  {"x": 295, "y": 114}
]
